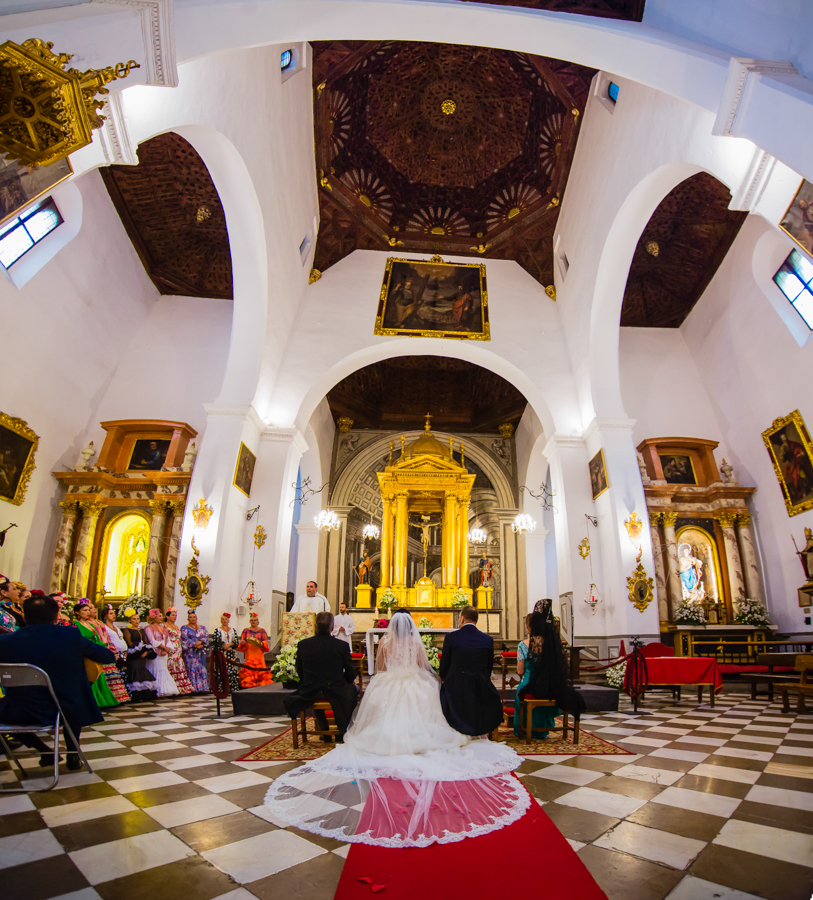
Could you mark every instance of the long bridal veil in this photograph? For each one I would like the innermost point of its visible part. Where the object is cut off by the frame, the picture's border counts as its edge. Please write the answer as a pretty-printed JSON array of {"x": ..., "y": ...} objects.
[{"x": 403, "y": 776}]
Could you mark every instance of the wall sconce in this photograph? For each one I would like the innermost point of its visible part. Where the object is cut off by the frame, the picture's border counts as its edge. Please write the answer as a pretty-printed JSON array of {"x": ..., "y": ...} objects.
[
  {"x": 478, "y": 536},
  {"x": 201, "y": 514},
  {"x": 634, "y": 528},
  {"x": 523, "y": 524},
  {"x": 327, "y": 520}
]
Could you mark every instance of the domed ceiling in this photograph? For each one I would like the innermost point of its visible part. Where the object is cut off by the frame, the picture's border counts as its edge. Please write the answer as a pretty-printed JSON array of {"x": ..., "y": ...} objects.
[{"x": 443, "y": 148}]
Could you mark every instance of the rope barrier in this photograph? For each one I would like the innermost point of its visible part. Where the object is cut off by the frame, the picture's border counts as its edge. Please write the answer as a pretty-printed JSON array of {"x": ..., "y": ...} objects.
[{"x": 617, "y": 662}]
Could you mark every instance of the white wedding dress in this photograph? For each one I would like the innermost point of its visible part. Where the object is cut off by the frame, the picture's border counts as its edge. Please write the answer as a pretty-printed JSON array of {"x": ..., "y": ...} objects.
[{"x": 403, "y": 777}]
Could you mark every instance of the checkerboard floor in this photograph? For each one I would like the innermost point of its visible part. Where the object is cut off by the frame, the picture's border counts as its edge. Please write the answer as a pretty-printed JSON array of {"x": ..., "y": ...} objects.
[{"x": 713, "y": 803}]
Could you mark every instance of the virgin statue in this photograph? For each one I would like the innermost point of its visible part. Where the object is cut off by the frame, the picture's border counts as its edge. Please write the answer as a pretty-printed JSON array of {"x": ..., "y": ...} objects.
[{"x": 691, "y": 575}]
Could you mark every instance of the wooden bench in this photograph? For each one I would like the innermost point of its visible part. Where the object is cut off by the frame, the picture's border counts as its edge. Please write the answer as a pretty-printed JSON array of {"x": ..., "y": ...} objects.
[
  {"x": 803, "y": 688},
  {"x": 300, "y": 728}
]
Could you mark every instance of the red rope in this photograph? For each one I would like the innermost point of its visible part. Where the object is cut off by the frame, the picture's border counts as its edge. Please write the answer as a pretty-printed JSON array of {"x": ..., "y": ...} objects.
[
  {"x": 621, "y": 659},
  {"x": 219, "y": 674}
]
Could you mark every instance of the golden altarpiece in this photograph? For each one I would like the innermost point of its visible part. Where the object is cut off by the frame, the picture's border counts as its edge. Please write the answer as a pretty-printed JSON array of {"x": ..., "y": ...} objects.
[{"x": 121, "y": 518}]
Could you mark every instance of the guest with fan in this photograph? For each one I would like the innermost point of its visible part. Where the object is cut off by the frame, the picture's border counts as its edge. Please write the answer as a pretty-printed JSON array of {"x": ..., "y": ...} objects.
[{"x": 254, "y": 644}]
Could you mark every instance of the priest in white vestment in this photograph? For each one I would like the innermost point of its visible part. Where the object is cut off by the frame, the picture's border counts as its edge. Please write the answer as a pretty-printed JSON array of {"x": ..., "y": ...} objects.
[
  {"x": 311, "y": 601},
  {"x": 343, "y": 625}
]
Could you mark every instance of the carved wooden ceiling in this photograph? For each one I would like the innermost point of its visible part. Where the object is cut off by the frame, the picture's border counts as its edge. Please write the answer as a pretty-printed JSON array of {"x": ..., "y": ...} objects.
[
  {"x": 678, "y": 253},
  {"x": 396, "y": 394},
  {"x": 443, "y": 148},
  {"x": 172, "y": 213},
  {"x": 632, "y": 10}
]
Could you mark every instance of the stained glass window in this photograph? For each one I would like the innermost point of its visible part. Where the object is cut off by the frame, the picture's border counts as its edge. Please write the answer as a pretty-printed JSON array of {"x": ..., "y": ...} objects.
[
  {"x": 612, "y": 91},
  {"x": 795, "y": 280},
  {"x": 286, "y": 59},
  {"x": 20, "y": 234}
]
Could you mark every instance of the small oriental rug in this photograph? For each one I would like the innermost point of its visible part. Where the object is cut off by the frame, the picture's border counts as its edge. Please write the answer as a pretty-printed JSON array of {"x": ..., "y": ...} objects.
[{"x": 281, "y": 748}]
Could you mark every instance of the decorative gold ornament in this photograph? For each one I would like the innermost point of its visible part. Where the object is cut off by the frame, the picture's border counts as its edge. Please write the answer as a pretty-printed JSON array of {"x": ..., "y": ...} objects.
[
  {"x": 344, "y": 424},
  {"x": 641, "y": 588},
  {"x": 194, "y": 585},
  {"x": 652, "y": 248},
  {"x": 726, "y": 519},
  {"x": 260, "y": 536},
  {"x": 22, "y": 443},
  {"x": 506, "y": 430},
  {"x": 202, "y": 513},
  {"x": 194, "y": 548},
  {"x": 550, "y": 290},
  {"x": 203, "y": 214},
  {"x": 634, "y": 528},
  {"x": 48, "y": 111},
  {"x": 324, "y": 181},
  {"x": 584, "y": 547},
  {"x": 448, "y": 107},
  {"x": 315, "y": 275}
]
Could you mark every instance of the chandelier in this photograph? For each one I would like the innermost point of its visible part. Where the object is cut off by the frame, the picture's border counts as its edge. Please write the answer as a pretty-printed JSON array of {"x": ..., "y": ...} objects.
[
  {"x": 478, "y": 536},
  {"x": 371, "y": 531},
  {"x": 327, "y": 520},
  {"x": 523, "y": 524},
  {"x": 591, "y": 597}
]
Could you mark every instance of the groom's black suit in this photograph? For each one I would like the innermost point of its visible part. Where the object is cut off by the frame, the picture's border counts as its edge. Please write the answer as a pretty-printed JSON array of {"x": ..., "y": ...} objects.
[
  {"x": 326, "y": 672},
  {"x": 470, "y": 701}
]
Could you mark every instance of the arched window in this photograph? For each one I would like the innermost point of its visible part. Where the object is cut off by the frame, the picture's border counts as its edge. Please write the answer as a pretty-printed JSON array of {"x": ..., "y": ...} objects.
[
  {"x": 19, "y": 235},
  {"x": 286, "y": 60},
  {"x": 795, "y": 280},
  {"x": 612, "y": 91}
]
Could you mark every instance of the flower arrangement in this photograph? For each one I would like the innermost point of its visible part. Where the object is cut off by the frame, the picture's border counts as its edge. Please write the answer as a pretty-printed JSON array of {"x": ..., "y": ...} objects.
[
  {"x": 387, "y": 600},
  {"x": 284, "y": 666},
  {"x": 615, "y": 675},
  {"x": 431, "y": 651},
  {"x": 690, "y": 614},
  {"x": 460, "y": 598},
  {"x": 140, "y": 603},
  {"x": 423, "y": 622},
  {"x": 752, "y": 612},
  {"x": 382, "y": 623}
]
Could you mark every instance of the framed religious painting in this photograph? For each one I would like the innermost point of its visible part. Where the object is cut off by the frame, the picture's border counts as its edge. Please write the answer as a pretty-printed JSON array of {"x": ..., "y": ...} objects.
[
  {"x": 244, "y": 470},
  {"x": 598, "y": 475},
  {"x": 148, "y": 455},
  {"x": 677, "y": 468},
  {"x": 797, "y": 222},
  {"x": 18, "y": 444},
  {"x": 21, "y": 185},
  {"x": 791, "y": 452},
  {"x": 433, "y": 299}
]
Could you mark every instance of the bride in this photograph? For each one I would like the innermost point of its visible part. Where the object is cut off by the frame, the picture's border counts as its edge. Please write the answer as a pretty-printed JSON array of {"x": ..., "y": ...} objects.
[{"x": 403, "y": 777}]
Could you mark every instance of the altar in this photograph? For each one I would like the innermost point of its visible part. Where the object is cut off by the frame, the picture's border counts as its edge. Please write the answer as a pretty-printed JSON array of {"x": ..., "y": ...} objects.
[{"x": 374, "y": 634}]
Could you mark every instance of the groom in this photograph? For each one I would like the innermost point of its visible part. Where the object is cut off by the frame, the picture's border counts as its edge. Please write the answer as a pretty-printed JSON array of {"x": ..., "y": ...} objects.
[{"x": 471, "y": 703}]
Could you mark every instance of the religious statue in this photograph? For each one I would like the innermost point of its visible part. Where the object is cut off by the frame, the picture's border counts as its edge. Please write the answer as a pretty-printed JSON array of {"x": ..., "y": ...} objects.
[
  {"x": 691, "y": 575},
  {"x": 642, "y": 467},
  {"x": 485, "y": 570},
  {"x": 498, "y": 446},
  {"x": 727, "y": 471},
  {"x": 425, "y": 526},
  {"x": 363, "y": 568},
  {"x": 806, "y": 555},
  {"x": 84, "y": 458}
]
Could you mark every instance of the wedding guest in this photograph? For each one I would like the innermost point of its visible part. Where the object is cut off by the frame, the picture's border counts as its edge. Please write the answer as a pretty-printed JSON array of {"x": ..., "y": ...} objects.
[
  {"x": 344, "y": 626},
  {"x": 225, "y": 638},
  {"x": 61, "y": 653},
  {"x": 24, "y": 593},
  {"x": 116, "y": 643},
  {"x": 175, "y": 662},
  {"x": 62, "y": 618},
  {"x": 195, "y": 639},
  {"x": 11, "y": 613},
  {"x": 544, "y": 718},
  {"x": 102, "y": 690},
  {"x": 138, "y": 678},
  {"x": 158, "y": 636},
  {"x": 254, "y": 644}
]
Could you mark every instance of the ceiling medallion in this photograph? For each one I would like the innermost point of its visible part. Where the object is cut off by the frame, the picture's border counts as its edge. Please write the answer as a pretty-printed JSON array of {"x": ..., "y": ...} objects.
[{"x": 448, "y": 107}]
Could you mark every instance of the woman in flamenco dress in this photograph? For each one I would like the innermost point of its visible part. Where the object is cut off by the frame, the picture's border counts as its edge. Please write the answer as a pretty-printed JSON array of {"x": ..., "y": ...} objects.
[
  {"x": 158, "y": 636},
  {"x": 225, "y": 639},
  {"x": 254, "y": 644},
  {"x": 195, "y": 639},
  {"x": 138, "y": 678},
  {"x": 175, "y": 662},
  {"x": 102, "y": 692}
]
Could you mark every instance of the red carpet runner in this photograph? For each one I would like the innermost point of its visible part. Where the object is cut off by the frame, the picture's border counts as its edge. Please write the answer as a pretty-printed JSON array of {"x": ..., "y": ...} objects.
[{"x": 478, "y": 867}]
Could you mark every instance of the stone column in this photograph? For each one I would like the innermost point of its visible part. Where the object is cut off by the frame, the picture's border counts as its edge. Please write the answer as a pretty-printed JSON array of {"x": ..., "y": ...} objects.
[
  {"x": 176, "y": 508},
  {"x": 307, "y": 559},
  {"x": 386, "y": 544},
  {"x": 59, "y": 570},
  {"x": 732, "y": 556},
  {"x": 91, "y": 511},
  {"x": 153, "y": 569},
  {"x": 675, "y": 586},
  {"x": 660, "y": 571},
  {"x": 448, "y": 540},
  {"x": 753, "y": 581},
  {"x": 463, "y": 542},
  {"x": 400, "y": 549}
]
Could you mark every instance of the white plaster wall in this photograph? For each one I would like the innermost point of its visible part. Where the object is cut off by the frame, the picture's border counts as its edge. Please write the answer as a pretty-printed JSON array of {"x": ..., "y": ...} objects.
[
  {"x": 662, "y": 388},
  {"x": 64, "y": 334},
  {"x": 754, "y": 372}
]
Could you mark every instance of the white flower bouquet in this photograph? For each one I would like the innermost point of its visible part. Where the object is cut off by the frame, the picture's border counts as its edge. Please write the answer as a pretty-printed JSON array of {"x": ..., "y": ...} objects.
[
  {"x": 431, "y": 651},
  {"x": 752, "y": 612},
  {"x": 284, "y": 666},
  {"x": 690, "y": 614},
  {"x": 615, "y": 675}
]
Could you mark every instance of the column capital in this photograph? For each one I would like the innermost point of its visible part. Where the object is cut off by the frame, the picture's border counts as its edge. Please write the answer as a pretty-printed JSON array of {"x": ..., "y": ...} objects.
[
  {"x": 655, "y": 517},
  {"x": 159, "y": 507},
  {"x": 234, "y": 410},
  {"x": 670, "y": 519},
  {"x": 605, "y": 423},
  {"x": 285, "y": 435},
  {"x": 69, "y": 506},
  {"x": 177, "y": 507},
  {"x": 306, "y": 529},
  {"x": 726, "y": 518},
  {"x": 744, "y": 519},
  {"x": 562, "y": 442},
  {"x": 92, "y": 508}
]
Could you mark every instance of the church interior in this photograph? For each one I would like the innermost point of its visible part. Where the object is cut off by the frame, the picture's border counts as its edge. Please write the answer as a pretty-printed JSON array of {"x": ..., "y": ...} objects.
[{"x": 433, "y": 303}]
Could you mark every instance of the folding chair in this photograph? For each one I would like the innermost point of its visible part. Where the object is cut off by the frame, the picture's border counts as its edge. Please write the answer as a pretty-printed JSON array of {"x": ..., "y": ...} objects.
[{"x": 14, "y": 675}]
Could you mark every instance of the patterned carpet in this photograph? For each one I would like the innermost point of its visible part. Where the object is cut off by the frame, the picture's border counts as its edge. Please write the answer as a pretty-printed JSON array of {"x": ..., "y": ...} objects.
[{"x": 281, "y": 748}]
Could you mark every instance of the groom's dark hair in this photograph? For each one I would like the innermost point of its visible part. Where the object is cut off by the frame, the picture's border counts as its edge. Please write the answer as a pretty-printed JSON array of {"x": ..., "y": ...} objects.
[
  {"x": 469, "y": 614},
  {"x": 324, "y": 622}
]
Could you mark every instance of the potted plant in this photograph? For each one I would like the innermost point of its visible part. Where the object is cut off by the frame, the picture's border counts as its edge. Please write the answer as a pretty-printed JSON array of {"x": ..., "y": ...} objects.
[
  {"x": 387, "y": 601},
  {"x": 283, "y": 668},
  {"x": 423, "y": 622},
  {"x": 459, "y": 600},
  {"x": 690, "y": 614},
  {"x": 431, "y": 651},
  {"x": 752, "y": 612}
]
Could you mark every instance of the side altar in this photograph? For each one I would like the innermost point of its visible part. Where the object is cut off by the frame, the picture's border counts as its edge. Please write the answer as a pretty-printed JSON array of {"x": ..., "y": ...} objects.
[{"x": 428, "y": 486}]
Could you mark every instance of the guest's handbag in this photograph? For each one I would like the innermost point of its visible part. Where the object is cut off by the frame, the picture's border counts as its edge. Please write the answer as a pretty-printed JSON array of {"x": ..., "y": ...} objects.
[{"x": 93, "y": 670}]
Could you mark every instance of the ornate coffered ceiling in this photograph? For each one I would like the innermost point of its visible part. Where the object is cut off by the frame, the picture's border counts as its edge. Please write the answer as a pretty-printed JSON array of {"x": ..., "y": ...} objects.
[
  {"x": 172, "y": 213},
  {"x": 679, "y": 252},
  {"x": 443, "y": 148},
  {"x": 633, "y": 10},
  {"x": 396, "y": 394}
]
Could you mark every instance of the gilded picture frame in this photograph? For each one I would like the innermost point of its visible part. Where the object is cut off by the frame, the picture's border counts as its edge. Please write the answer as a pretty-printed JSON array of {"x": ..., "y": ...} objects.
[
  {"x": 599, "y": 482},
  {"x": 678, "y": 468},
  {"x": 433, "y": 299},
  {"x": 244, "y": 470},
  {"x": 797, "y": 223},
  {"x": 21, "y": 185},
  {"x": 641, "y": 588},
  {"x": 18, "y": 446},
  {"x": 791, "y": 451}
]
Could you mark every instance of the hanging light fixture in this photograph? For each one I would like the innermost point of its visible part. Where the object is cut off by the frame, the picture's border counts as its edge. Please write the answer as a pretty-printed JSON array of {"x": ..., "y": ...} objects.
[
  {"x": 327, "y": 520},
  {"x": 523, "y": 524},
  {"x": 371, "y": 531},
  {"x": 478, "y": 536},
  {"x": 592, "y": 597}
]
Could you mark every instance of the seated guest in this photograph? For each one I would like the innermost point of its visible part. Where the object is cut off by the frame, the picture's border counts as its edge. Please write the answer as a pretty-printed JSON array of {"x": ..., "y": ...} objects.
[
  {"x": 326, "y": 672},
  {"x": 470, "y": 701},
  {"x": 11, "y": 613},
  {"x": 61, "y": 653}
]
